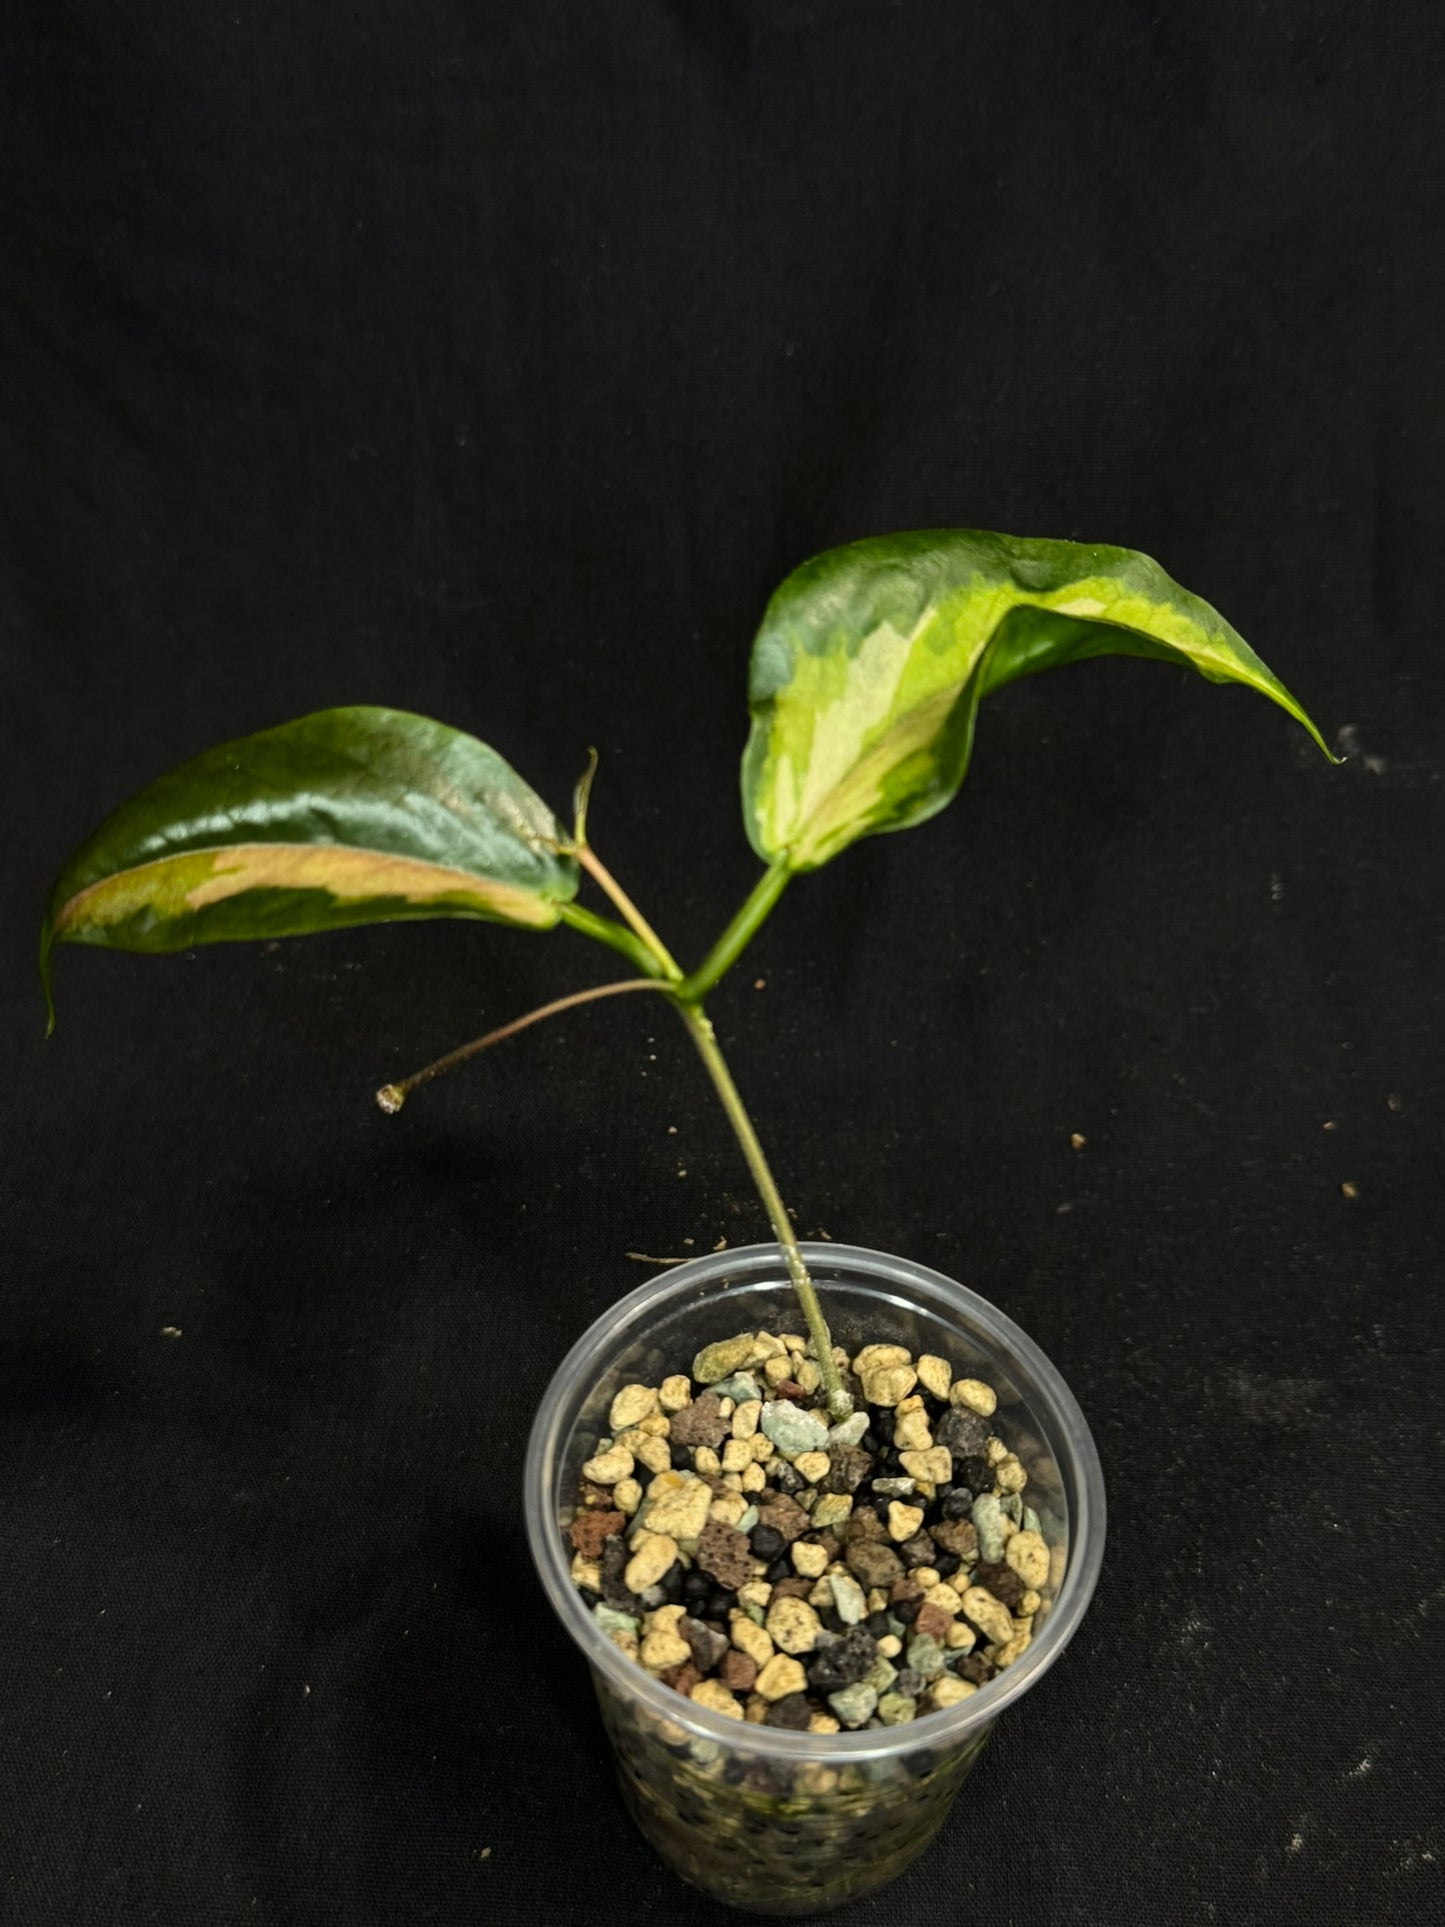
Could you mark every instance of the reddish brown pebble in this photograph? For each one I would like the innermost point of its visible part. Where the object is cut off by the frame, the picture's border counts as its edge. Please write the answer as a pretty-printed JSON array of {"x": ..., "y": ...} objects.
[
  {"x": 790, "y": 1389},
  {"x": 681, "y": 1678},
  {"x": 956, "y": 1536},
  {"x": 589, "y": 1531},
  {"x": 975, "y": 1667},
  {"x": 725, "y": 1553},
  {"x": 737, "y": 1671},
  {"x": 783, "y": 1514},
  {"x": 595, "y": 1495},
  {"x": 793, "y": 1588},
  {"x": 864, "y": 1525},
  {"x": 872, "y": 1564},
  {"x": 1003, "y": 1582},
  {"x": 932, "y": 1621},
  {"x": 905, "y": 1588},
  {"x": 700, "y": 1423}
]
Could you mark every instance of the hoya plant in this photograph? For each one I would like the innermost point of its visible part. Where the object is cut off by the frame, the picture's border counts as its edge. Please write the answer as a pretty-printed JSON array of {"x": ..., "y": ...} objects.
[{"x": 865, "y": 683}]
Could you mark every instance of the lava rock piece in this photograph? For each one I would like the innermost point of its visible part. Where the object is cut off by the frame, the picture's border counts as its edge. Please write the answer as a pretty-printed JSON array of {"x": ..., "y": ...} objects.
[
  {"x": 724, "y": 1553},
  {"x": 958, "y": 1504},
  {"x": 956, "y": 1536},
  {"x": 848, "y": 1467},
  {"x": 700, "y": 1423},
  {"x": 785, "y": 1515},
  {"x": 963, "y": 1432},
  {"x": 612, "y": 1565},
  {"x": 843, "y": 1663},
  {"x": 976, "y": 1667},
  {"x": 873, "y": 1563},
  {"x": 590, "y": 1531},
  {"x": 706, "y": 1646},
  {"x": 1003, "y": 1582}
]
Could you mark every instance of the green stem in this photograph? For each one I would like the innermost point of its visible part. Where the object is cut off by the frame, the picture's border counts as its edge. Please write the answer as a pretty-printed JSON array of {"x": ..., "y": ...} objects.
[
  {"x": 700, "y": 1029},
  {"x": 738, "y": 935},
  {"x": 603, "y": 877},
  {"x": 604, "y": 930}
]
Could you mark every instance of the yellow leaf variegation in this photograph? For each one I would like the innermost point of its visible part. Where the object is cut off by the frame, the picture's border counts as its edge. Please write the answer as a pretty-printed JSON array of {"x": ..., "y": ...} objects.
[
  {"x": 872, "y": 659},
  {"x": 349, "y": 816}
]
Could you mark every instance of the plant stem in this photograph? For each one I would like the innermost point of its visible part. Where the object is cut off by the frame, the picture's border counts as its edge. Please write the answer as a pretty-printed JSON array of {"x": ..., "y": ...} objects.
[
  {"x": 604, "y": 930},
  {"x": 700, "y": 1029},
  {"x": 739, "y": 933},
  {"x": 603, "y": 877},
  {"x": 391, "y": 1097}
]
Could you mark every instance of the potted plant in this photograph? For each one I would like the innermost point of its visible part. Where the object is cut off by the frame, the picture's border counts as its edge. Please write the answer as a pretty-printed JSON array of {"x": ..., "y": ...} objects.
[{"x": 743, "y": 1523}]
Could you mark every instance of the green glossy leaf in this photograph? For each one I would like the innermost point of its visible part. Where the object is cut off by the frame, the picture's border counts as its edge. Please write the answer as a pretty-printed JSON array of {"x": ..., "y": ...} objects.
[
  {"x": 871, "y": 661},
  {"x": 345, "y": 817}
]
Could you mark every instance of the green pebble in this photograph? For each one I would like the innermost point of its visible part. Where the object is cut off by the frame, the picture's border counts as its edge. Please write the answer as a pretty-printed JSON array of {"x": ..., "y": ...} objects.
[
  {"x": 880, "y": 1675},
  {"x": 792, "y": 1431},
  {"x": 988, "y": 1524},
  {"x": 849, "y": 1600},
  {"x": 896, "y": 1710},
  {"x": 719, "y": 1361},
  {"x": 926, "y": 1656},
  {"x": 748, "y": 1520},
  {"x": 849, "y": 1431},
  {"x": 854, "y": 1704},
  {"x": 612, "y": 1621},
  {"x": 741, "y": 1386}
]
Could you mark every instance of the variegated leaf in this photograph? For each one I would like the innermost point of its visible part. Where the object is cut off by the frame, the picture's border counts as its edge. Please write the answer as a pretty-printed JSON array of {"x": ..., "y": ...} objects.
[
  {"x": 348, "y": 816},
  {"x": 871, "y": 661}
]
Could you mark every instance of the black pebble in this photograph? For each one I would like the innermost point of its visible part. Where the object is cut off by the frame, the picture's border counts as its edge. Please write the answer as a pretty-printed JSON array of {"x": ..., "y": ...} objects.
[
  {"x": 786, "y": 1479},
  {"x": 767, "y": 1542},
  {"x": 880, "y": 1510},
  {"x": 671, "y": 1583},
  {"x": 907, "y": 1610},
  {"x": 720, "y": 1604},
  {"x": 833, "y": 1619},
  {"x": 681, "y": 1456},
  {"x": 588, "y": 1597},
  {"x": 734, "y": 1770},
  {"x": 869, "y": 1443},
  {"x": 877, "y": 1624},
  {"x": 959, "y": 1503},
  {"x": 975, "y": 1473},
  {"x": 779, "y": 1569},
  {"x": 794, "y": 1712},
  {"x": 946, "y": 1564},
  {"x": 696, "y": 1585}
]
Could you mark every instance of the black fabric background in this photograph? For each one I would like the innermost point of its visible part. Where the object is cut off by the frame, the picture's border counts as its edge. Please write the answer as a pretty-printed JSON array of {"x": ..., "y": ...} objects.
[{"x": 496, "y": 362}]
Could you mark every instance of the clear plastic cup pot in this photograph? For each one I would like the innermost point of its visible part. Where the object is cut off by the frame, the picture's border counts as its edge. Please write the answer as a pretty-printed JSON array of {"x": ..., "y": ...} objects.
[{"x": 770, "y": 1820}]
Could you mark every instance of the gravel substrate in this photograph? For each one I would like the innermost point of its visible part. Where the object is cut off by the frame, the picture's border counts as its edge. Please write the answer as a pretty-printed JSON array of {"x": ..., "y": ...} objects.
[{"x": 786, "y": 1571}]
